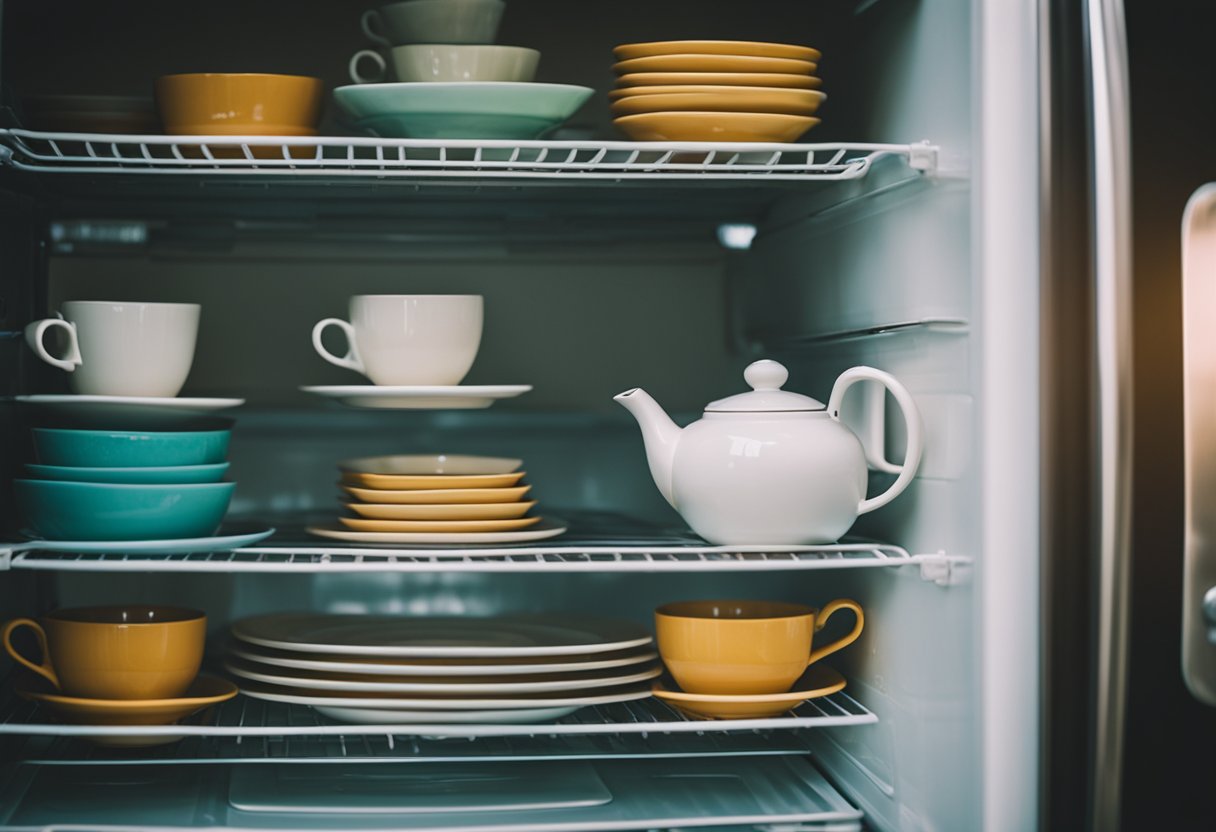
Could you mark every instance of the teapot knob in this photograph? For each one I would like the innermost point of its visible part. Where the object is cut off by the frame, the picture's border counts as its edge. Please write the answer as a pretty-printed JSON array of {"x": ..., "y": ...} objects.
[{"x": 766, "y": 374}]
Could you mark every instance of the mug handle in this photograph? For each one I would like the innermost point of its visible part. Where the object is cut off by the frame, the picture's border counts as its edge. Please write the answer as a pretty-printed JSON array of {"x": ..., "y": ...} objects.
[
  {"x": 45, "y": 670},
  {"x": 822, "y": 618},
  {"x": 374, "y": 57},
  {"x": 33, "y": 337},
  {"x": 351, "y": 360},
  {"x": 365, "y": 23}
]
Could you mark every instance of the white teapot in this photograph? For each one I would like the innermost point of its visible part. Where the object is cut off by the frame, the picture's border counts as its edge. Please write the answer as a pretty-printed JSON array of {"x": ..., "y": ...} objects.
[{"x": 770, "y": 467}]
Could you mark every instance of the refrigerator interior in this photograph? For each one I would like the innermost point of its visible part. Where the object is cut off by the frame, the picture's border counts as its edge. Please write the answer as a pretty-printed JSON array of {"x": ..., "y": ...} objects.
[{"x": 590, "y": 288}]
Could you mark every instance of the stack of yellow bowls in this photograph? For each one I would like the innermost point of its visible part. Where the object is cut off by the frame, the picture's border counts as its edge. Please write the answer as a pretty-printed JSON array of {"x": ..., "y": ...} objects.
[{"x": 715, "y": 91}]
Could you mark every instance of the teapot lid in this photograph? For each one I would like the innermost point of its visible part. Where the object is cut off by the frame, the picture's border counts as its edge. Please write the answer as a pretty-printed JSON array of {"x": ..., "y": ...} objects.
[{"x": 765, "y": 377}]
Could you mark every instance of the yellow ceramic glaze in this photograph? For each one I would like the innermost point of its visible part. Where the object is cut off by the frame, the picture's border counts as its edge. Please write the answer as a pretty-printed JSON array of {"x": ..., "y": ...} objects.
[
  {"x": 744, "y": 647},
  {"x": 361, "y": 525},
  {"x": 444, "y": 496},
  {"x": 239, "y": 104},
  {"x": 738, "y": 99},
  {"x": 626, "y": 51},
  {"x": 409, "y": 482},
  {"x": 714, "y": 127},
  {"x": 722, "y": 90},
  {"x": 116, "y": 653},
  {"x": 713, "y": 63},
  {"x": 471, "y": 511},
  {"x": 205, "y": 690},
  {"x": 730, "y": 79},
  {"x": 819, "y": 680}
]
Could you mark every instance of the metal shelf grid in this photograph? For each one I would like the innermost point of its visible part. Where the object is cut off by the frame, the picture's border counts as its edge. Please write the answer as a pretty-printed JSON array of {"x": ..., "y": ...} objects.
[
  {"x": 431, "y": 159},
  {"x": 546, "y": 559}
]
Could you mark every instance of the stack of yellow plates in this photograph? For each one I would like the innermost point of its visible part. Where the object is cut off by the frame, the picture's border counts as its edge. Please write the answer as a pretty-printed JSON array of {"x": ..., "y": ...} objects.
[
  {"x": 436, "y": 499},
  {"x": 715, "y": 91}
]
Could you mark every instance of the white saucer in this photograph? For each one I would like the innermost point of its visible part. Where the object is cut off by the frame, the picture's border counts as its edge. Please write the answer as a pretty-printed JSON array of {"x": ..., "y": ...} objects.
[
  {"x": 138, "y": 402},
  {"x": 543, "y": 530},
  {"x": 182, "y": 546},
  {"x": 130, "y": 412},
  {"x": 446, "y": 397}
]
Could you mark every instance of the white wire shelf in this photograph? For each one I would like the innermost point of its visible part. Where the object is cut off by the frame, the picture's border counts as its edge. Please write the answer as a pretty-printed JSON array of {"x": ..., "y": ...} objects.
[{"x": 67, "y": 153}]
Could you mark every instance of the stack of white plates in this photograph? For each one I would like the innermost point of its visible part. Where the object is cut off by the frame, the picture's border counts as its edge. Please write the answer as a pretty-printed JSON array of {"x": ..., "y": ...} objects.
[
  {"x": 393, "y": 670},
  {"x": 436, "y": 500}
]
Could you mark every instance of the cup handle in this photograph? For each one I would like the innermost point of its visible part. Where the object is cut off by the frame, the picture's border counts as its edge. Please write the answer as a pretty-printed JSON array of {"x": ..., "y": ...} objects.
[
  {"x": 351, "y": 360},
  {"x": 365, "y": 23},
  {"x": 373, "y": 56},
  {"x": 45, "y": 670},
  {"x": 822, "y": 619},
  {"x": 33, "y": 337}
]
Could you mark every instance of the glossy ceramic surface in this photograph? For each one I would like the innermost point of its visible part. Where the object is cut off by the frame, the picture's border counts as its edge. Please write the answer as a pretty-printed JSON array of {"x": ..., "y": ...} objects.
[
  {"x": 819, "y": 680},
  {"x": 129, "y": 449},
  {"x": 408, "y": 339},
  {"x": 447, "y": 62},
  {"x": 372, "y": 666},
  {"x": 116, "y": 653},
  {"x": 541, "y": 531},
  {"x": 178, "y": 474},
  {"x": 744, "y": 647},
  {"x": 771, "y": 466},
  {"x": 60, "y": 510},
  {"x": 627, "y": 51},
  {"x": 434, "y": 21},
  {"x": 203, "y": 692},
  {"x": 220, "y": 542},
  {"x": 430, "y": 464},
  {"x": 402, "y": 482},
  {"x": 713, "y": 63},
  {"x": 239, "y": 104},
  {"x": 714, "y": 127},
  {"x": 729, "y": 79},
  {"x": 725, "y": 99},
  {"x": 360, "y": 524},
  {"x": 446, "y": 496},
  {"x": 400, "y": 636},
  {"x": 122, "y": 349},
  {"x": 484, "y": 511},
  {"x": 460, "y": 110},
  {"x": 439, "y": 685},
  {"x": 449, "y": 397}
]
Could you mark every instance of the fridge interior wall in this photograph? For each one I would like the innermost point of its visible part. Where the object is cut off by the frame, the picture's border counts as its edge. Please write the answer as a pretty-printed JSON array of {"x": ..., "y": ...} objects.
[{"x": 624, "y": 305}]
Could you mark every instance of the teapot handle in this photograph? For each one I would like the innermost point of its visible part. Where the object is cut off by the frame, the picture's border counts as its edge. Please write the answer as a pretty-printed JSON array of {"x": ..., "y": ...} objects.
[{"x": 911, "y": 418}]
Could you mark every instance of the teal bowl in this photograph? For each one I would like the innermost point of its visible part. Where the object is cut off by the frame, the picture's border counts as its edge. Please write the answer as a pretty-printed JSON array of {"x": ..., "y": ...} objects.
[
  {"x": 100, "y": 511},
  {"x": 171, "y": 475},
  {"x": 127, "y": 449}
]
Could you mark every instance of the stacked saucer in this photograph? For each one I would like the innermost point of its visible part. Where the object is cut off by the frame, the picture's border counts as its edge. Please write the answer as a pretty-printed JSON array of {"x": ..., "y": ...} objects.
[
  {"x": 436, "y": 500},
  {"x": 716, "y": 90},
  {"x": 382, "y": 669}
]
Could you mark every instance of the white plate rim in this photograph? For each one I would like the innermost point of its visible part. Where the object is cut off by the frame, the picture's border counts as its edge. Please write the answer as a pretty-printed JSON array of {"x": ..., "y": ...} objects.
[
  {"x": 455, "y": 391},
  {"x": 384, "y": 704},
  {"x": 460, "y": 719},
  {"x": 168, "y": 402},
  {"x": 522, "y": 536}
]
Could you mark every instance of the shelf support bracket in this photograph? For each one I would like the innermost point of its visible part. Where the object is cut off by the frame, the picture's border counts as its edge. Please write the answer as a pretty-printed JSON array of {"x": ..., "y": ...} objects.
[
  {"x": 943, "y": 569},
  {"x": 6, "y": 558},
  {"x": 922, "y": 156}
]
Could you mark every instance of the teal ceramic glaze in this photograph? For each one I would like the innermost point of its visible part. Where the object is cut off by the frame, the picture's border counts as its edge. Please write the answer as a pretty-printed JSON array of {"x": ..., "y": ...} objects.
[
  {"x": 128, "y": 449},
  {"x": 172, "y": 475},
  {"x": 99, "y": 511},
  {"x": 461, "y": 110}
]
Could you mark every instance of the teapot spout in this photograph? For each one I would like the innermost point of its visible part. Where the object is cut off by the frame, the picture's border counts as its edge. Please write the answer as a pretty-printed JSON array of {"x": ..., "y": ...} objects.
[{"x": 660, "y": 434}]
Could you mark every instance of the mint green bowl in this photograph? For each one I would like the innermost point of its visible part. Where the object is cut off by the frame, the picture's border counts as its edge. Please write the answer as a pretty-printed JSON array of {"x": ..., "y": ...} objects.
[
  {"x": 129, "y": 449},
  {"x": 169, "y": 475},
  {"x": 59, "y": 510}
]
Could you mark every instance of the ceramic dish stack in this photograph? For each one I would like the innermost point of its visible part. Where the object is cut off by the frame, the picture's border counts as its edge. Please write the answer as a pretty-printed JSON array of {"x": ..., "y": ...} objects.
[
  {"x": 444, "y": 499},
  {"x": 715, "y": 91},
  {"x": 392, "y": 670},
  {"x": 452, "y": 82}
]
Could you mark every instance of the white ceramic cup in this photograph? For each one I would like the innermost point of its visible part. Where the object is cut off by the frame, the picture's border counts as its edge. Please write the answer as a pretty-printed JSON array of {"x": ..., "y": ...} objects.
[
  {"x": 408, "y": 340},
  {"x": 120, "y": 348},
  {"x": 433, "y": 21},
  {"x": 448, "y": 63}
]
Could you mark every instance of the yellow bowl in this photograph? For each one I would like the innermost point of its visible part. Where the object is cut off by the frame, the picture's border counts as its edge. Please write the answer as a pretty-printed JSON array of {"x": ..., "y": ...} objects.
[
  {"x": 714, "y": 127},
  {"x": 731, "y": 79},
  {"x": 626, "y": 51},
  {"x": 726, "y": 99},
  {"x": 713, "y": 63},
  {"x": 227, "y": 104}
]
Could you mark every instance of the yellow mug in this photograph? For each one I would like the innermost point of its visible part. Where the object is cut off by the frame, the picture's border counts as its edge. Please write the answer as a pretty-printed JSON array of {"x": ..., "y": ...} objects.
[
  {"x": 744, "y": 647},
  {"x": 130, "y": 652}
]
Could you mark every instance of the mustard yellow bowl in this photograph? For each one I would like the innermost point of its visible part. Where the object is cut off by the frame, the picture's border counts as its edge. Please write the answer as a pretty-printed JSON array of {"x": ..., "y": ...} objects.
[{"x": 239, "y": 104}]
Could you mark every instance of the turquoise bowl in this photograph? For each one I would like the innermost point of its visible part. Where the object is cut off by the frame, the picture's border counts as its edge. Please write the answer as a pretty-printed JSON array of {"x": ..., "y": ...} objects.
[
  {"x": 59, "y": 510},
  {"x": 127, "y": 449},
  {"x": 171, "y": 475}
]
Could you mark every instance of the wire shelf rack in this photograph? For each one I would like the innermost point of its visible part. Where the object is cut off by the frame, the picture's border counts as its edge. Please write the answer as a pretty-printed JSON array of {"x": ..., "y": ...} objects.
[{"x": 431, "y": 159}]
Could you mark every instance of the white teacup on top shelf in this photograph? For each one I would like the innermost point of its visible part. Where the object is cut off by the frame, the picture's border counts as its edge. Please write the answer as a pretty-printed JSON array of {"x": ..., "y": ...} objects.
[
  {"x": 433, "y": 21},
  {"x": 433, "y": 62}
]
